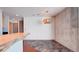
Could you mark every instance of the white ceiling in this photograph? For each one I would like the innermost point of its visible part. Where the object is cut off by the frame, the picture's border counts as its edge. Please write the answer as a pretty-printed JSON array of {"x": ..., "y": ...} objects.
[{"x": 32, "y": 11}]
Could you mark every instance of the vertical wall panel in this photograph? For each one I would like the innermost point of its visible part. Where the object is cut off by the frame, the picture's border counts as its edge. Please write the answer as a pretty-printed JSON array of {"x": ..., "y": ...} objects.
[
  {"x": 74, "y": 19},
  {"x": 78, "y": 32},
  {"x": 65, "y": 28}
]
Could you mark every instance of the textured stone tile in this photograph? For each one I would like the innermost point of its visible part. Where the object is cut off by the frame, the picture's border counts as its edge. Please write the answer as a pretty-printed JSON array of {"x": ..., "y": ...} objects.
[{"x": 47, "y": 46}]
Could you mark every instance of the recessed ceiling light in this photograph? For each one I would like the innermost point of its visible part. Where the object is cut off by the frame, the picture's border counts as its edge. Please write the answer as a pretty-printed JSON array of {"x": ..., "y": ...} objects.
[{"x": 17, "y": 15}]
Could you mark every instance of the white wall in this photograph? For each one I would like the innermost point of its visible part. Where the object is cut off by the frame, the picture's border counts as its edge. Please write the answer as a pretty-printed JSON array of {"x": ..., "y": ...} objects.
[
  {"x": 0, "y": 22},
  {"x": 5, "y": 26},
  {"x": 37, "y": 30}
]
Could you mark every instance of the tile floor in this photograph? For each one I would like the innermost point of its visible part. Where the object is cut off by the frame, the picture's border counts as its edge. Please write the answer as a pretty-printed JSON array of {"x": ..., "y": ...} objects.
[{"x": 47, "y": 46}]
